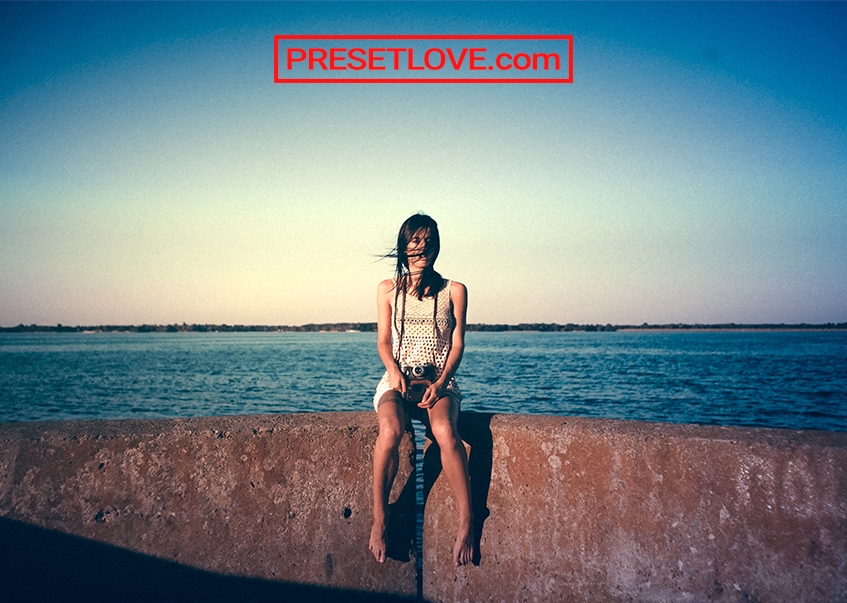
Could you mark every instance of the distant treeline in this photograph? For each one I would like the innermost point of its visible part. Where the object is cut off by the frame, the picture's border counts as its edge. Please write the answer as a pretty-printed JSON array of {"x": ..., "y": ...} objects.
[
  {"x": 535, "y": 326},
  {"x": 371, "y": 327},
  {"x": 186, "y": 328}
]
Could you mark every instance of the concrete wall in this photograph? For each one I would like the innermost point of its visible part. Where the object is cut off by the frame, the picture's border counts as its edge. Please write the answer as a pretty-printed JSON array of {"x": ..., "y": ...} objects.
[
  {"x": 278, "y": 508},
  {"x": 284, "y": 498},
  {"x": 587, "y": 510}
]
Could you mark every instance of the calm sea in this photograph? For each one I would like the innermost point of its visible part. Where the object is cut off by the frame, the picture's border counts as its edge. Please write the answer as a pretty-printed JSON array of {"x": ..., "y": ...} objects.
[{"x": 796, "y": 380}]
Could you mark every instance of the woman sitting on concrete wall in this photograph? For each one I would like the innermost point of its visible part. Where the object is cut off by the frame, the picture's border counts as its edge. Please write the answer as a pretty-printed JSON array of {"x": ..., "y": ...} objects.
[{"x": 421, "y": 338}]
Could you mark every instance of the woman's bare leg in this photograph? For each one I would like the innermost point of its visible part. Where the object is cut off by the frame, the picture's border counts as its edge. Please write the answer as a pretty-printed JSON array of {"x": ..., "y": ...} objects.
[
  {"x": 392, "y": 425},
  {"x": 443, "y": 418}
]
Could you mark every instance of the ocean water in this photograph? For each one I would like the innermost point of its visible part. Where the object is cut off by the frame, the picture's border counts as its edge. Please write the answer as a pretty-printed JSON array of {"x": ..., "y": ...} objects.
[{"x": 794, "y": 380}]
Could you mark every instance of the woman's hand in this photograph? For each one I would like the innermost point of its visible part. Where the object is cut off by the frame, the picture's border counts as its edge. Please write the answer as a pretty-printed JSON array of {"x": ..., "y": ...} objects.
[
  {"x": 397, "y": 381},
  {"x": 432, "y": 395}
]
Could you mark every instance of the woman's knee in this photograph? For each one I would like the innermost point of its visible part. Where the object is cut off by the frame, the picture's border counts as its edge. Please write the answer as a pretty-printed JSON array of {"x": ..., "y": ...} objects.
[
  {"x": 390, "y": 434},
  {"x": 392, "y": 420},
  {"x": 391, "y": 430},
  {"x": 445, "y": 432}
]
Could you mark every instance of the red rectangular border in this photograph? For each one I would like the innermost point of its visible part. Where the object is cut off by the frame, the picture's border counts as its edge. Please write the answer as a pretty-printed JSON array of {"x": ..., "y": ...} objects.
[{"x": 489, "y": 80}]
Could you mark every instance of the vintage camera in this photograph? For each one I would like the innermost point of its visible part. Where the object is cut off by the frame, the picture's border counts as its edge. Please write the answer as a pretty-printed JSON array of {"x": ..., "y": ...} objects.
[{"x": 418, "y": 379}]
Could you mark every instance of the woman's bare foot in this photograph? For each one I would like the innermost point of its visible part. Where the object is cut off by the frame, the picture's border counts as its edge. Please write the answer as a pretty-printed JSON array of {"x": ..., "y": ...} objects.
[
  {"x": 377, "y": 543},
  {"x": 463, "y": 549}
]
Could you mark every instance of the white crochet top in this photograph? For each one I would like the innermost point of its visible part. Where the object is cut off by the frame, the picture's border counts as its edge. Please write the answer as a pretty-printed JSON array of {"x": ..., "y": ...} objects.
[
  {"x": 422, "y": 330},
  {"x": 422, "y": 333}
]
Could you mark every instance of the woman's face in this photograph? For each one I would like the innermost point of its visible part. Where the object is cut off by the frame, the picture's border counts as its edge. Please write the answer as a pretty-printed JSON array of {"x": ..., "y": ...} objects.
[{"x": 416, "y": 250}]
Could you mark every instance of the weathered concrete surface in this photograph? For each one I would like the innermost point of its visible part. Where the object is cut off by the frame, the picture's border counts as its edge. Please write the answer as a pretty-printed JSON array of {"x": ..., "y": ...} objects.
[
  {"x": 583, "y": 510},
  {"x": 595, "y": 510},
  {"x": 281, "y": 497}
]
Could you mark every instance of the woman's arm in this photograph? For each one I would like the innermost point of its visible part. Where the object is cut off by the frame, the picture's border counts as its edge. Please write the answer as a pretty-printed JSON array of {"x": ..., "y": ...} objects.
[
  {"x": 384, "y": 295},
  {"x": 459, "y": 298}
]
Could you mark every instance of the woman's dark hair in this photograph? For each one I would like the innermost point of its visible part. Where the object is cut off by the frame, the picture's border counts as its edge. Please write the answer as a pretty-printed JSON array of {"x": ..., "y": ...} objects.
[{"x": 430, "y": 282}]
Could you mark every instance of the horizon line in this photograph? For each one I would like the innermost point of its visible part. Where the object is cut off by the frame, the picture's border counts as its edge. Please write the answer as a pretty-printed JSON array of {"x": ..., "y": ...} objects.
[{"x": 372, "y": 327}]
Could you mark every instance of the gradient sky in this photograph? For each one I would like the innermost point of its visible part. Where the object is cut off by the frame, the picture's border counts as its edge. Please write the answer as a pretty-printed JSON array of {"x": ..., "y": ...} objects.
[{"x": 152, "y": 172}]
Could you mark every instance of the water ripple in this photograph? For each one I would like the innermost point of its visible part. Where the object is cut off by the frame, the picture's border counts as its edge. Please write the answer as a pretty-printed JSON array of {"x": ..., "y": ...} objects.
[{"x": 776, "y": 379}]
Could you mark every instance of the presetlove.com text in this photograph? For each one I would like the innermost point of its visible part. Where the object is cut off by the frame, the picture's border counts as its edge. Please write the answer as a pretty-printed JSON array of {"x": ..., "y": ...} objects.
[{"x": 544, "y": 59}]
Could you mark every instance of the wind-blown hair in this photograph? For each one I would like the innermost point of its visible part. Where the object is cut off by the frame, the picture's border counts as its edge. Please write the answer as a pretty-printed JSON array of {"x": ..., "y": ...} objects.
[{"x": 430, "y": 282}]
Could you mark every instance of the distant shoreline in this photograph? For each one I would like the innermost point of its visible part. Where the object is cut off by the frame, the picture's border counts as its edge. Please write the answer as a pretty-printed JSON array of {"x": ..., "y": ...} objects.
[{"x": 370, "y": 327}]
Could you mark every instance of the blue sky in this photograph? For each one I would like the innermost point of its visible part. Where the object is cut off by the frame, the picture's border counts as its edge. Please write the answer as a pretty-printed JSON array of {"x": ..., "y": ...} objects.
[{"x": 151, "y": 172}]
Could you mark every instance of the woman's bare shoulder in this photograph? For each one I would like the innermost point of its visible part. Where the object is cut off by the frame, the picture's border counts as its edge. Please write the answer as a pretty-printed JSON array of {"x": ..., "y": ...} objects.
[
  {"x": 385, "y": 287},
  {"x": 457, "y": 288}
]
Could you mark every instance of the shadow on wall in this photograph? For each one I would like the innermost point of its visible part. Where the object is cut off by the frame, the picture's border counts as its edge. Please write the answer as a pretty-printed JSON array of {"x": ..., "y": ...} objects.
[
  {"x": 43, "y": 565},
  {"x": 475, "y": 430},
  {"x": 400, "y": 530}
]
